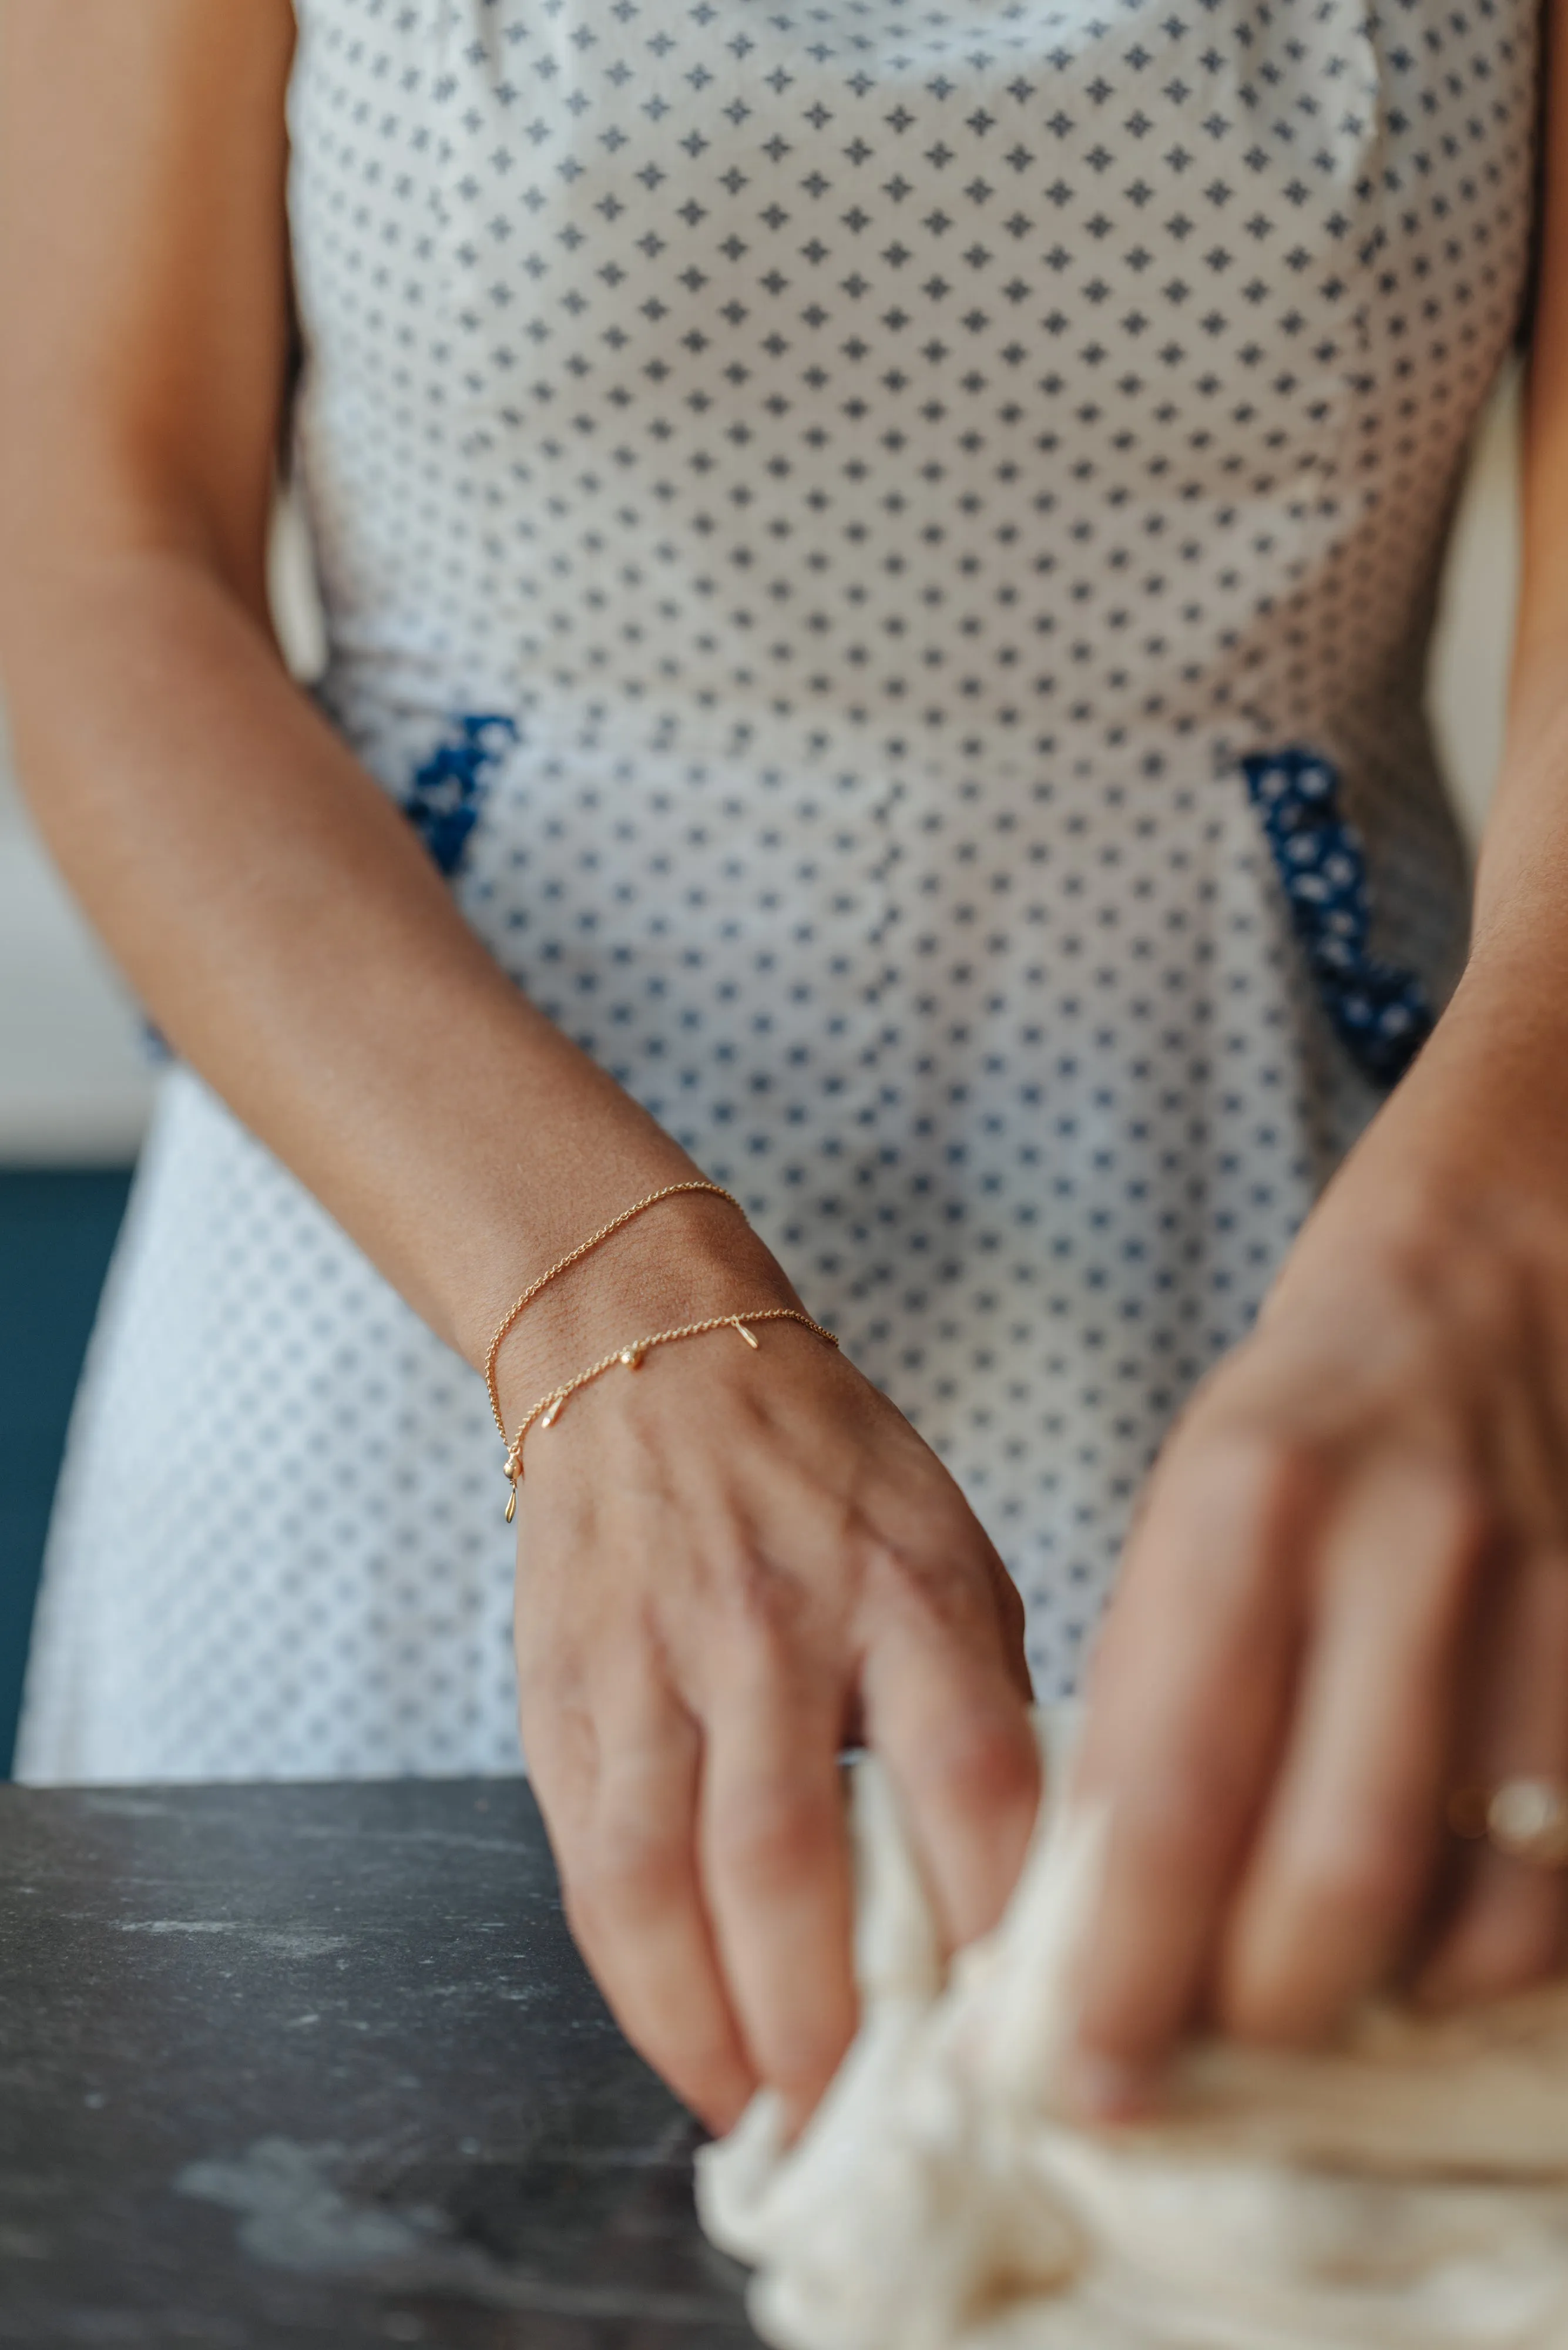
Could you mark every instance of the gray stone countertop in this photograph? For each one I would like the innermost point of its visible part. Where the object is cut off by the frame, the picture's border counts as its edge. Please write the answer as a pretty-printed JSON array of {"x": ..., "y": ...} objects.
[{"x": 318, "y": 2066}]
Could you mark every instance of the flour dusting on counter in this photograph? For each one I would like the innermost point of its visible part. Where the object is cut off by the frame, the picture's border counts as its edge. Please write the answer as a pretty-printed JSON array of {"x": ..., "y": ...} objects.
[{"x": 1407, "y": 2190}]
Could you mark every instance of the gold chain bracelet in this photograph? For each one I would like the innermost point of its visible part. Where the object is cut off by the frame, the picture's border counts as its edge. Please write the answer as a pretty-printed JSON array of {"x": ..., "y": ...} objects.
[
  {"x": 565, "y": 1264},
  {"x": 548, "y": 1408}
]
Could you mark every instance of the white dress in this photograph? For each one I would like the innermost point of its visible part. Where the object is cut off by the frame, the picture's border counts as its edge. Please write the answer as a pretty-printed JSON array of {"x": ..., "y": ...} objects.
[{"x": 888, "y": 549}]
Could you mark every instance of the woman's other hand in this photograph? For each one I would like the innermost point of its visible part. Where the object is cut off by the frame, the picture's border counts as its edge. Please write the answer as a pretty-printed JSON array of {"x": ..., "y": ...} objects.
[
  {"x": 1345, "y": 1599},
  {"x": 732, "y": 1565}
]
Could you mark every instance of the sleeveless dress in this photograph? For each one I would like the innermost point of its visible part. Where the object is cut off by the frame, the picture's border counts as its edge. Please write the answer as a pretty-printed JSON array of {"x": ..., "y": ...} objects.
[{"x": 887, "y": 549}]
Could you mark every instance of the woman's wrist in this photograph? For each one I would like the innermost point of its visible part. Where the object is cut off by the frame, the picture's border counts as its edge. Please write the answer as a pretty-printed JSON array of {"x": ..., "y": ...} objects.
[
  {"x": 1474, "y": 1143},
  {"x": 686, "y": 1259}
]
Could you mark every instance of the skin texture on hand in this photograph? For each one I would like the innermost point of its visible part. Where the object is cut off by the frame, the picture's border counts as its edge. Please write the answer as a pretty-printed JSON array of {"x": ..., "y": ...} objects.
[
  {"x": 731, "y": 1565},
  {"x": 1346, "y": 1597}
]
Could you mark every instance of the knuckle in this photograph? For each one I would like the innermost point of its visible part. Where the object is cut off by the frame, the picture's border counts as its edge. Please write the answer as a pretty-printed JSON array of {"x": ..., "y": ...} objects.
[
  {"x": 766, "y": 1842},
  {"x": 1467, "y": 1520},
  {"x": 1494, "y": 1299},
  {"x": 1415, "y": 1261},
  {"x": 1365, "y": 1877},
  {"x": 622, "y": 1876},
  {"x": 949, "y": 1576},
  {"x": 1187, "y": 1809},
  {"x": 984, "y": 1768},
  {"x": 764, "y": 1606},
  {"x": 1261, "y": 1472},
  {"x": 1225, "y": 1487},
  {"x": 556, "y": 1719}
]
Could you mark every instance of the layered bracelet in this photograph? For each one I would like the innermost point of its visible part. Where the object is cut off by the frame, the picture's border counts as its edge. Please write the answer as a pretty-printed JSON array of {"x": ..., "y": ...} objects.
[{"x": 548, "y": 1408}]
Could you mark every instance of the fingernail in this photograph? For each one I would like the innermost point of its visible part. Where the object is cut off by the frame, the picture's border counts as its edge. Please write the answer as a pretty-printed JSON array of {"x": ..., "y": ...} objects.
[{"x": 1098, "y": 2089}]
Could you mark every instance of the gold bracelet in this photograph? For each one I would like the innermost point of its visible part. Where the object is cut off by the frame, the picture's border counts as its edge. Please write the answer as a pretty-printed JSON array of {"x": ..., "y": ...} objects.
[
  {"x": 565, "y": 1264},
  {"x": 548, "y": 1408}
]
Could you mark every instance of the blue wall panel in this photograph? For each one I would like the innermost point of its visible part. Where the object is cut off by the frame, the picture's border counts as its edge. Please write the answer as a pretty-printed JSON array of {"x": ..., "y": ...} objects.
[{"x": 57, "y": 1230}]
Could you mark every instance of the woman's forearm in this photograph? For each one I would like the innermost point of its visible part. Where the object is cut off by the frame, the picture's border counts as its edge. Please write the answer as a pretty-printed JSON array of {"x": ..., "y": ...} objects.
[
  {"x": 1479, "y": 1127},
  {"x": 284, "y": 928},
  {"x": 1514, "y": 996}
]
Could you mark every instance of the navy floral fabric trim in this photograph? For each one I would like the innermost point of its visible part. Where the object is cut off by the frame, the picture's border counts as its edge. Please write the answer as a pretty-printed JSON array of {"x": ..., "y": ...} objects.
[
  {"x": 442, "y": 802},
  {"x": 1380, "y": 1013}
]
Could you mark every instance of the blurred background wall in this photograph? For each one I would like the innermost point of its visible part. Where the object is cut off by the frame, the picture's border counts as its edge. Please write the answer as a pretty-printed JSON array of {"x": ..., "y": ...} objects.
[{"x": 76, "y": 1080}]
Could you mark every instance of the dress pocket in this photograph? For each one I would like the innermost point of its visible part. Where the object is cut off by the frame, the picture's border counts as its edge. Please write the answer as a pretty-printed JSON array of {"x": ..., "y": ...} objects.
[
  {"x": 1379, "y": 1011},
  {"x": 443, "y": 800}
]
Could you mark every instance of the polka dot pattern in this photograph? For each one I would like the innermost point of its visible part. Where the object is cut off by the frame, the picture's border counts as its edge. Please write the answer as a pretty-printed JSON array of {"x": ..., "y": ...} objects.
[{"x": 864, "y": 475}]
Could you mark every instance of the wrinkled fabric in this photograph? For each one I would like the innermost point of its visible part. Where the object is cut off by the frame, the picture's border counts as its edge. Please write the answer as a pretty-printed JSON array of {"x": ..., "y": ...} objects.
[{"x": 1407, "y": 2190}]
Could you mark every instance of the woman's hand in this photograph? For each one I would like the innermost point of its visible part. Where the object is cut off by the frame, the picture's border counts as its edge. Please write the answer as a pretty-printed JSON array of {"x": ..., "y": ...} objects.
[
  {"x": 1346, "y": 1599},
  {"x": 731, "y": 1565}
]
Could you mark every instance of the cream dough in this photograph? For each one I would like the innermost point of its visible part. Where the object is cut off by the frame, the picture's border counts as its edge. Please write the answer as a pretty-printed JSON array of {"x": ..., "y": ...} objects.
[{"x": 1405, "y": 2191}]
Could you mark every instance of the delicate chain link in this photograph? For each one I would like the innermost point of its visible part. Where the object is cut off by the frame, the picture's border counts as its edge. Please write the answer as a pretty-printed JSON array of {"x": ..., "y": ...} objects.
[
  {"x": 565, "y": 1264},
  {"x": 547, "y": 1410}
]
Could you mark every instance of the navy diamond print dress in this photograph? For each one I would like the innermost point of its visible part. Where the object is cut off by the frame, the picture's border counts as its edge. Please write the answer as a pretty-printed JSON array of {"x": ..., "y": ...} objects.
[{"x": 887, "y": 547}]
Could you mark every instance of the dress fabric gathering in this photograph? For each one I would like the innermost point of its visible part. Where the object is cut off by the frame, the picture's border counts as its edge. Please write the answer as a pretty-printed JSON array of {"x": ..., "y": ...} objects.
[{"x": 888, "y": 550}]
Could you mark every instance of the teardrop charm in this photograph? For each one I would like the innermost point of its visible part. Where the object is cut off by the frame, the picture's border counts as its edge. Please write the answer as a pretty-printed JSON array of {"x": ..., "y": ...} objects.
[
  {"x": 553, "y": 1414},
  {"x": 512, "y": 1505},
  {"x": 751, "y": 1340}
]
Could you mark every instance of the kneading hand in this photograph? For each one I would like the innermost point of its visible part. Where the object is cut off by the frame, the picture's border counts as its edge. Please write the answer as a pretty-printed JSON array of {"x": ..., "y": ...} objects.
[
  {"x": 731, "y": 1565},
  {"x": 1346, "y": 1599}
]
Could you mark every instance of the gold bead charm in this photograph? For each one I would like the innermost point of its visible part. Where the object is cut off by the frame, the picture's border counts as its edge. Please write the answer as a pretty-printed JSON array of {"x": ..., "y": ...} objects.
[{"x": 548, "y": 1409}]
